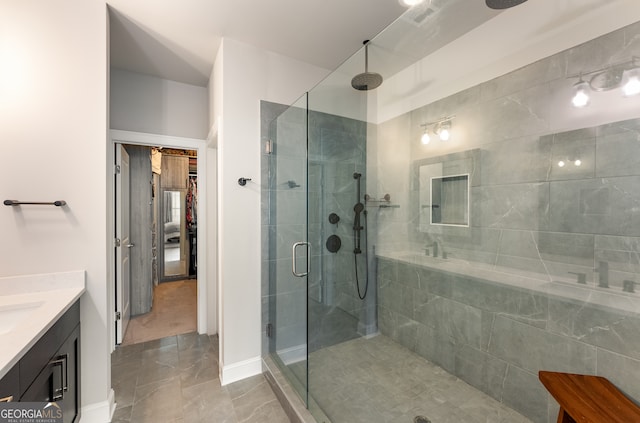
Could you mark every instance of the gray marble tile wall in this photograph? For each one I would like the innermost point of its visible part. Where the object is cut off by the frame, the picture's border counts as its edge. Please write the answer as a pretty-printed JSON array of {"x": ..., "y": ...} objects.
[
  {"x": 336, "y": 149},
  {"x": 497, "y": 338},
  {"x": 531, "y": 218},
  {"x": 528, "y": 213}
]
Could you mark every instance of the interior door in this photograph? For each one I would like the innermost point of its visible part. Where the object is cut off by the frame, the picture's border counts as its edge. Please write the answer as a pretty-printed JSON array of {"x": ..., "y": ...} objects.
[
  {"x": 123, "y": 243},
  {"x": 288, "y": 247}
]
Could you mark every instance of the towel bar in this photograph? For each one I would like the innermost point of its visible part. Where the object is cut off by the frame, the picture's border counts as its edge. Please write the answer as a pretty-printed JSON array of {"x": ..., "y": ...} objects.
[{"x": 57, "y": 203}]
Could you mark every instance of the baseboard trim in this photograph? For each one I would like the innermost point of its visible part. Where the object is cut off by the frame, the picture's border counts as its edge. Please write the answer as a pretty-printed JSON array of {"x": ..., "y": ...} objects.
[
  {"x": 241, "y": 370},
  {"x": 101, "y": 412}
]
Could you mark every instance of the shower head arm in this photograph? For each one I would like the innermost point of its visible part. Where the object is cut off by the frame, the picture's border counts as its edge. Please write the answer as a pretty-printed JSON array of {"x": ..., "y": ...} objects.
[{"x": 366, "y": 57}]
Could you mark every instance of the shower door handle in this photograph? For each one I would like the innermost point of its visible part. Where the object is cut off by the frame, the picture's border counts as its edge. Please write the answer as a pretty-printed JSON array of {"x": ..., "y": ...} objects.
[{"x": 294, "y": 267}]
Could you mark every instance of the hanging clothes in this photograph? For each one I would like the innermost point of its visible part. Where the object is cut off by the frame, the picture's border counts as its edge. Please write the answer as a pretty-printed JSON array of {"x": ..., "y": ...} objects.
[
  {"x": 156, "y": 161},
  {"x": 192, "y": 202}
]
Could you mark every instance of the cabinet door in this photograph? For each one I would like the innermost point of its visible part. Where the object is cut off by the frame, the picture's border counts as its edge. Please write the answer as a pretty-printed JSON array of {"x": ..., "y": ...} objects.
[
  {"x": 175, "y": 172},
  {"x": 48, "y": 381},
  {"x": 10, "y": 385},
  {"x": 59, "y": 381}
]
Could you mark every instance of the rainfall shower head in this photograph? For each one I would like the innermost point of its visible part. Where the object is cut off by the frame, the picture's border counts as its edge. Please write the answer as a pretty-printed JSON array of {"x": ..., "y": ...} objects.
[
  {"x": 503, "y": 4},
  {"x": 368, "y": 80}
]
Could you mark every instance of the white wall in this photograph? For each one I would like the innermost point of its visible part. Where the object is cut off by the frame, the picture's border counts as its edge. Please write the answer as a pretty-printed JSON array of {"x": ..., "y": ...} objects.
[
  {"x": 243, "y": 75},
  {"x": 143, "y": 103},
  {"x": 53, "y": 126}
]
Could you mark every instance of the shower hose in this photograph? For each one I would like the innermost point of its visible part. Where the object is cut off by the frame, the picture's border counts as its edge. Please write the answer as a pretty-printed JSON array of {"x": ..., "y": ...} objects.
[{"x": 366, "y": 259}]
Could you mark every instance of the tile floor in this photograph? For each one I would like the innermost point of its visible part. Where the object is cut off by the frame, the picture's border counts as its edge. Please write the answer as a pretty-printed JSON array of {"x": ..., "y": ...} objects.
[
  {"x": 175, "y": 379},
  {"x": 378, "y": 380}
]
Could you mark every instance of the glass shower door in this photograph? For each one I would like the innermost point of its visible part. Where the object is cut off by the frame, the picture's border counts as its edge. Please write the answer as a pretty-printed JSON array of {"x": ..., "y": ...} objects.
[{"x": 288, "y": 247}]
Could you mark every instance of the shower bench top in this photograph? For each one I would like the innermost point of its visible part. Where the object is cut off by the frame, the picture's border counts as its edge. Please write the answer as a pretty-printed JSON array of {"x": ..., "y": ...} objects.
[{"x": 585, "y": 398}]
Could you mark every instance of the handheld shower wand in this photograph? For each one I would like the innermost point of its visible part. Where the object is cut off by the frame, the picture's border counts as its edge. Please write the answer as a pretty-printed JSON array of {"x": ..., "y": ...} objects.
[{"x": 358, "y": 209}]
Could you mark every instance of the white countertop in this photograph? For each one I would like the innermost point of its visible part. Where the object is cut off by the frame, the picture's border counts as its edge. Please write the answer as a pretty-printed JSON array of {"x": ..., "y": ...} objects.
[{"x": 29, "y": 306}]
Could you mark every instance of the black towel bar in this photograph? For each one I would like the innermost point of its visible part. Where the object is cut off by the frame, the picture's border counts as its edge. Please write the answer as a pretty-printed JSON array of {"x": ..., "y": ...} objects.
[{"x": 57, "y": 203}]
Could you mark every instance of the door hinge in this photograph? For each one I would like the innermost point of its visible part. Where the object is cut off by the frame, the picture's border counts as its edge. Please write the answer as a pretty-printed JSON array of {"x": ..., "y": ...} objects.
[
  {"x": 269, "y": 330},
  {"x": 118, "y": 315},
  {"x": 116, "y": 169},
  {"x": 116, "y": 242}
]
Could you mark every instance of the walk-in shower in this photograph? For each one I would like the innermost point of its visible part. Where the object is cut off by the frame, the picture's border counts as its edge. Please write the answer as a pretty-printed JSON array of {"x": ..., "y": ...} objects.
[{"x": 509, "y": 247}]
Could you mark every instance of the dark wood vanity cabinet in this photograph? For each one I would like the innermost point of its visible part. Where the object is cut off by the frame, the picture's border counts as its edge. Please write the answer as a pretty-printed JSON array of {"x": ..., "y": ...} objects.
[
  {"x": 50, "y": 370},
  {"x": 8, "y": 385}
]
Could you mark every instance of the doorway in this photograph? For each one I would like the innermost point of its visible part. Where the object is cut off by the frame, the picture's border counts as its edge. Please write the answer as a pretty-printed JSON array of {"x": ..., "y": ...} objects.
[
  {"x": 176, "y": 213},
  {"x": 182, "y": 286},
  {"x": 157, "y": 201}
]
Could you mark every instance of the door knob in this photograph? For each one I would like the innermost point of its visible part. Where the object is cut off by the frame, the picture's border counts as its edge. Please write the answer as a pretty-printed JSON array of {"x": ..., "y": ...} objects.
[{"x": 130, "y": 245}]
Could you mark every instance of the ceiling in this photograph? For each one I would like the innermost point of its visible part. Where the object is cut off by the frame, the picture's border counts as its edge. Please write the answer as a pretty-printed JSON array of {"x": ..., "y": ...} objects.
[{"x": 178, "y": 40}]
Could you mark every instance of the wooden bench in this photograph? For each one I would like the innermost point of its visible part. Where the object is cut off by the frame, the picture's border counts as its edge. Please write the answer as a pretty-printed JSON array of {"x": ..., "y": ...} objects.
[{"x": 589, "y": 399}]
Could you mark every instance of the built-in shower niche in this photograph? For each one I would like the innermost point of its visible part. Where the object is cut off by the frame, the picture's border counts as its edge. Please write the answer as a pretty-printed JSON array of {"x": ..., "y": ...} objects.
[
  {"x": 442, "y": 190},
  {"x": 450, "y": 200}
]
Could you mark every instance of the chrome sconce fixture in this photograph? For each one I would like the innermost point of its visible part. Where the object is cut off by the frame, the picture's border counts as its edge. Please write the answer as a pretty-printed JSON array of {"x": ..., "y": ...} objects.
[
  {"x": 625, "y": 75},
  {"x": 440, "y": 127}
]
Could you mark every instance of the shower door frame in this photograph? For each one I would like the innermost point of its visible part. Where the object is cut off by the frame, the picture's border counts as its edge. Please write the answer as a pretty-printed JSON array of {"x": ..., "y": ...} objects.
[{"x": 288, "y": 287}]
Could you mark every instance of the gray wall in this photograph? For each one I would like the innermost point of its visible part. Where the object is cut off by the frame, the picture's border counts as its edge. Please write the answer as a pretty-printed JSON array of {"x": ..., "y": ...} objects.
[{"x": 530, "y": 218}]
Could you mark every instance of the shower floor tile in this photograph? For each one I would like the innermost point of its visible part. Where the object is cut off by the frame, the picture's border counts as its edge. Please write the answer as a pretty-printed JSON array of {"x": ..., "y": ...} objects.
[{"x": 377, "y": 380}]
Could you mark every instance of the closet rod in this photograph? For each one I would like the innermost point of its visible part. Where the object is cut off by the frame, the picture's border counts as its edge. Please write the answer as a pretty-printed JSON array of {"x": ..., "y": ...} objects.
[{"x": 57, "y": 203}]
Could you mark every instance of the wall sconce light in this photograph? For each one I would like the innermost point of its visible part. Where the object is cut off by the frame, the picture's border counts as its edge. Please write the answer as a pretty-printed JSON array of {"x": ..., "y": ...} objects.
[
  {"x": 624, "y": 75},
  {"x": 444, "y": 130},
  {"x": 632, "y": 86},
  {"x": 581, "y": 96},
  {"x": 425, "y": 139},
  {"x": 440, "y": 127}
]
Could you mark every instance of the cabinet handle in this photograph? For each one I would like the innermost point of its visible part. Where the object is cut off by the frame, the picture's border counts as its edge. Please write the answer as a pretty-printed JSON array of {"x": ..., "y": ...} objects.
[
  {"x": 58, "y": 393},
  {"x": 65, "y": 357},
  {"x": 7, "y": 399}
]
